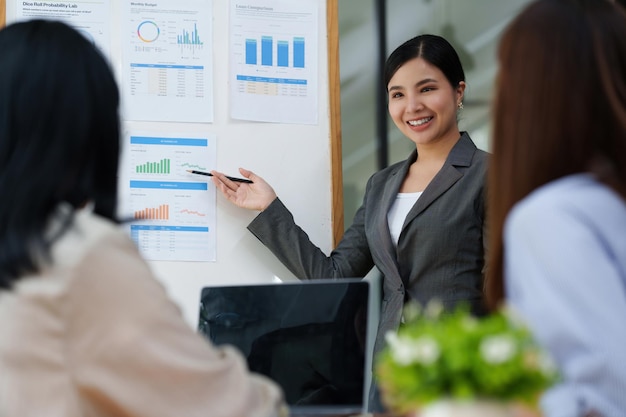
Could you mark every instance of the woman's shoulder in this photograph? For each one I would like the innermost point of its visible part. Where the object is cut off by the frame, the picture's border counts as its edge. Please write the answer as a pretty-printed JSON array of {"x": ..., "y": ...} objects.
[
  {"x": 580, "y": 198},
  {"x": 465, "y": 154},
  {"x": 86, "y": 232},
  {"x": 577, "y": 190},
  {"x": 478, "y": 155},
  {"x": 393, "y": 169}
]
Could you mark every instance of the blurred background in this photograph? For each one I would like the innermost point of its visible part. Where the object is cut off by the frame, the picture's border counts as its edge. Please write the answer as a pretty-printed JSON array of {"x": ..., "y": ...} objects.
[{"x": 369, "y": 30}]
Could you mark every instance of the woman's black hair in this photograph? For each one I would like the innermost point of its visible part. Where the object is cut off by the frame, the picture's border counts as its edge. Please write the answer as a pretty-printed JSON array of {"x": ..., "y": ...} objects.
[
  {"x": 59, "y": 137},
  {"x": 434, "y": 49}
]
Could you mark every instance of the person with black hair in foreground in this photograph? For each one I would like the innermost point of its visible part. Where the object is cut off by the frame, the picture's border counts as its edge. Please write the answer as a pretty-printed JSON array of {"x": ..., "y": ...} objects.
[{"x": 87, "y": 331}]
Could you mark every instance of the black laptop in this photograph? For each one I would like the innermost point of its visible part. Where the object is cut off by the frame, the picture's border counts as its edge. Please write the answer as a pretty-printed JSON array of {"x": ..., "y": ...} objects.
[{"x": 310, "y": 337}]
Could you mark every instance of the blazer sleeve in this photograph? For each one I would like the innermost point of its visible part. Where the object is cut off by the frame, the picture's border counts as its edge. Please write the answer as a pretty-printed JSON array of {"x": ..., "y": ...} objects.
[
  {"x": 276, "y": 229},
  {"x": 132, "y": 353}
]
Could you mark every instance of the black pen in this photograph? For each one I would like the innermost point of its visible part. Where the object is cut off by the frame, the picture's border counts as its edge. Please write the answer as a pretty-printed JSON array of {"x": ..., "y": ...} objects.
[{"x": 247, "y": 181}]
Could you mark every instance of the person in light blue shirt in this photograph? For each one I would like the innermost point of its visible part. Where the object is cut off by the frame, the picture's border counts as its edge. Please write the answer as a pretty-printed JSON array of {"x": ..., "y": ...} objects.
[
  {"x": 565, "y": 269},
  {"x": 557, "y": 195}
]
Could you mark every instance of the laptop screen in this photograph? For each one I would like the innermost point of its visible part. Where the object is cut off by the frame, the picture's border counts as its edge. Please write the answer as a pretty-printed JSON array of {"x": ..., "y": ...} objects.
[{"x": 307, "y": 336}]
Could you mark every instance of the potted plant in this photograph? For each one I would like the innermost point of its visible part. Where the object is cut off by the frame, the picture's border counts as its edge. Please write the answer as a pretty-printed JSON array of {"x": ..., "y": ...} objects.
[{"x": 455, "y": 364}]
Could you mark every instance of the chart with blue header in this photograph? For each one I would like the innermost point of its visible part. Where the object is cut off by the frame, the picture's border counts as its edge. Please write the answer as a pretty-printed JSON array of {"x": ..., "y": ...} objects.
[
  {"x": 167, "y": 61},
  {"x": 273, "y": 57},
  {"x": 172, "y": 212}
]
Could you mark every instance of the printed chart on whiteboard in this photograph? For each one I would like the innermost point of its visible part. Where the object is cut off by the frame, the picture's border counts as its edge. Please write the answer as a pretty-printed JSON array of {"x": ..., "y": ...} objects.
[
  {"x": 91, "y": 18},
  {"x": 167, "y": 61},
  {"x": 274, "y": 60},
  {"x": 172, "y": 211}
]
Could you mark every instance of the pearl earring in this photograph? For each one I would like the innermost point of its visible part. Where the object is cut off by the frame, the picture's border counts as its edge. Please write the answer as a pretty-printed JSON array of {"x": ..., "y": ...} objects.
[{"x": 460, "y": 105}]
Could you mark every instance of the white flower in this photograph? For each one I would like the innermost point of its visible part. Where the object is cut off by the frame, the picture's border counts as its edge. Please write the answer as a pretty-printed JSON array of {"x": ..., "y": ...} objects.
[
  {"x": 514, "y": 317},
  {"x": 400, "y": 348},
  {"x": 546, "y": 364},
  {"x": 497, "y": 349},
  {"x": 469, "y": 323},
  {"x": 412, "y": 311},
  {"x": 426, "y": 350},
  {"x": 406, "y": 351},
  {"x": 434, "y": 308}
]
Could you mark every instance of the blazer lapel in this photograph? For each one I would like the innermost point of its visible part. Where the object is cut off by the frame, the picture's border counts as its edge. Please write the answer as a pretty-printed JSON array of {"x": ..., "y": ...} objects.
[
  {"x": 460, "y": 155},
  {"x": 389, "y": 266}
]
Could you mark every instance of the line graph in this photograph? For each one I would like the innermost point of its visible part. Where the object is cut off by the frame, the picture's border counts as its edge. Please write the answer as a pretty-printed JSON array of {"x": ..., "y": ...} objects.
[{"x": 193, "y": 212}]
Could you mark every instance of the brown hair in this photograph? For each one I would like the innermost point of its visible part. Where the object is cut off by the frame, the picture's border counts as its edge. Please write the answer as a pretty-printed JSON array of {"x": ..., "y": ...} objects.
[{"x": 559, "y": 108}]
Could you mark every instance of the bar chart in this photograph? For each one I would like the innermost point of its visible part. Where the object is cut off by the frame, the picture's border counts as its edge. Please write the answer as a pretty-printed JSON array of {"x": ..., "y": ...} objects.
[
  {"x": 154, "y": 213},
  {"x": 189, "y": 38},
  {"x": 287, "y": 53},
  {"x": 161, "y": 167},
  {"x": 189, "y": 41}
]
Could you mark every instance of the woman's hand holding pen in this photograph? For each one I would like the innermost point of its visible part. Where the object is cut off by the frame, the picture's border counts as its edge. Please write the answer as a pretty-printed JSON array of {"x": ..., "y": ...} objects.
[{"x": 255, "y": 196}]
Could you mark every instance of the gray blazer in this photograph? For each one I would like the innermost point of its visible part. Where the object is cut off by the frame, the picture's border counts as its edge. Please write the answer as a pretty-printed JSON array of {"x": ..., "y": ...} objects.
[{"x": 440, "y": 252}]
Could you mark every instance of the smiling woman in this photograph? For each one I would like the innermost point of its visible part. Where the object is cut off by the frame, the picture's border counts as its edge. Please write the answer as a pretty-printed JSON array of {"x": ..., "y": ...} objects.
[
  {"x": 423, "y": 104},
  {"x": 421, "y": 220}
]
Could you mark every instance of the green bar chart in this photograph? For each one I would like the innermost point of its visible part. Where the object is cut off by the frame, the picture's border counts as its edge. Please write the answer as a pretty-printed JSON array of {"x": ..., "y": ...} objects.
[{"x": 161, "y": 167}]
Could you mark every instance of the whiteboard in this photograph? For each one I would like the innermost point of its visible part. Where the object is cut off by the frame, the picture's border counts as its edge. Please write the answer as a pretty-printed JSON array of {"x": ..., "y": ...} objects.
[{"x": 301, "y": 162}]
